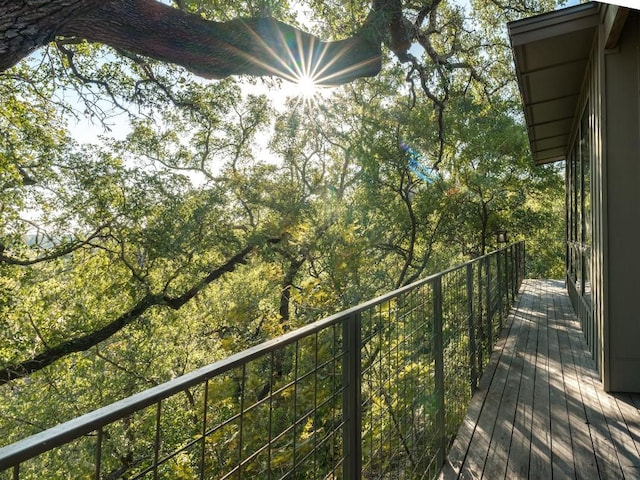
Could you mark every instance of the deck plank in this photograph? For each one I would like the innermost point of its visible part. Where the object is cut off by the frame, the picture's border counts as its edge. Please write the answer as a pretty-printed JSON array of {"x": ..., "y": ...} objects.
[
  {"x": 485, "y": 426},
  {"x": 540, "y": 462},
  {"x": 506, "y": 426},
  {"x": 519, "y": 455},
  {"x": 584, "y": 458},
  {"x": 540, "y": 411},
  {"x": 561, "y": 448},
  {"x": 629, "y": 418},
  {"x": 601, "y": 411}
]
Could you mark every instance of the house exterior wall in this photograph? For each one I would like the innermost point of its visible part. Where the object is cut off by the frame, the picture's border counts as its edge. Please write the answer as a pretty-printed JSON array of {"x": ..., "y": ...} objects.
[
  {"x": 603, "y": 254},
  {"x": 594, "y": 112},
  {"x": 621, "y": 323},
  {"x": 586, "y": 210}
]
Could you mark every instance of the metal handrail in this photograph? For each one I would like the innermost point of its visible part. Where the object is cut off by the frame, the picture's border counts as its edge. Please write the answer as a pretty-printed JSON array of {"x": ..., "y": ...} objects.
[{"x": 15, "y": 454}]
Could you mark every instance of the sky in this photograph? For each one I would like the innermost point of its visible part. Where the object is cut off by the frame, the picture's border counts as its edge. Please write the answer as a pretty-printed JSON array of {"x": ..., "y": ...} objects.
[
  {"x": 622, "y": 3},
  {"x": 625, "y": 3}
]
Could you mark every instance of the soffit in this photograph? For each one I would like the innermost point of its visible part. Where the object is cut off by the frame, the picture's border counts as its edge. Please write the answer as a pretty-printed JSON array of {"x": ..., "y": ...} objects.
[{"x": 551, "y": 54}]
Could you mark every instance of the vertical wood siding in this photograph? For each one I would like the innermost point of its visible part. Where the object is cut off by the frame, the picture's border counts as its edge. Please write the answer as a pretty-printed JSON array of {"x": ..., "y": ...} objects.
[{"x": 592, "y": 315}]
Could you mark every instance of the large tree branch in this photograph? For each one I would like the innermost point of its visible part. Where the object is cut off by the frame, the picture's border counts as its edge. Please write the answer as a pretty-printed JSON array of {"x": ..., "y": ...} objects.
[
  {"x": 85, "y": 342},
  {"x": 252, "y": 46},
  {"x": 26, "y": 25}
]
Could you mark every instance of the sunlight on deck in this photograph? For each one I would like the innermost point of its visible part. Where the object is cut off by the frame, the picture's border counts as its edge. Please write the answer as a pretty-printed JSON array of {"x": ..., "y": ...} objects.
[{"x": 540, "y": 411}]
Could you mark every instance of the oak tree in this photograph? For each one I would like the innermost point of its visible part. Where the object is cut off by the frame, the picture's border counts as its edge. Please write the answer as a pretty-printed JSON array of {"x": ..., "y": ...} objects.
[{"x": 218, "y": 219}]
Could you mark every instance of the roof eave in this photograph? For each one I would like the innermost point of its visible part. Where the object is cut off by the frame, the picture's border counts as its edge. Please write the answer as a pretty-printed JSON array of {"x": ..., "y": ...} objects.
[{"x": 551, "y": 54}]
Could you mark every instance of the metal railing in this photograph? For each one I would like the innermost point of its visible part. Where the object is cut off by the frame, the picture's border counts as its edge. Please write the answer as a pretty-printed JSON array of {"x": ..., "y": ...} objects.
[{"x": 377, "y": 391}]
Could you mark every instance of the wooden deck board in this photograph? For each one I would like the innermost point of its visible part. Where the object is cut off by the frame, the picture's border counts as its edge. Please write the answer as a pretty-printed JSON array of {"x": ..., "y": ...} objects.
[
  {"x": 540, "y": 411},
  {"x": 540, "y": 455},
  {"x": 584, "y": 458},
  {"x": 561, "y": 447},
  {"x": 500, "y": 443},
  {"x": 519, "y": 455},
  {"x": 629, "y": 420}
]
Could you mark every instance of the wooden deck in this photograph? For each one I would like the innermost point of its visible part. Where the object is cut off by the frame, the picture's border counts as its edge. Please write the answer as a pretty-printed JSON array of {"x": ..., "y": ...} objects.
[{"x": 540, "y": 411}]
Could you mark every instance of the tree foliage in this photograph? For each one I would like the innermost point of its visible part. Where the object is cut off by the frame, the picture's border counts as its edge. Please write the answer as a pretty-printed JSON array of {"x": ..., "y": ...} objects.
[{"x": 220, "y": 216}]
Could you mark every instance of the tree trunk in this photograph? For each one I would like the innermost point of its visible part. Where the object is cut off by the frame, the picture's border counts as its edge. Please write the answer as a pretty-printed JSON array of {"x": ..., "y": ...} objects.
[{"x": 285, "y": 295}]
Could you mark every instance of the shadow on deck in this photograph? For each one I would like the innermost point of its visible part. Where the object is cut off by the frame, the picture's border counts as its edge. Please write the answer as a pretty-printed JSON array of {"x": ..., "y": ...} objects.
[{"x": 540, "y": 411}]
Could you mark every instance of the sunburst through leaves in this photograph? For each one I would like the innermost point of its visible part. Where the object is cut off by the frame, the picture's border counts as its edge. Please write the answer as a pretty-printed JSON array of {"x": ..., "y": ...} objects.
[{"x": 311, "y": 66}]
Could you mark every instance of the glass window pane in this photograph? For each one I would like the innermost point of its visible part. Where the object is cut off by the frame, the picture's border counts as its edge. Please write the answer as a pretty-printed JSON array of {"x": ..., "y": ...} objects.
[{"x": 585, "y": 154}]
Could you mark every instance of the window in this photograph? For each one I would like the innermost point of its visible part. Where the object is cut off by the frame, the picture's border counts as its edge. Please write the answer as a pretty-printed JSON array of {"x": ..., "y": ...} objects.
[
  {"x": 579, "y": 230},
  {"x": 585, "y": 157}
]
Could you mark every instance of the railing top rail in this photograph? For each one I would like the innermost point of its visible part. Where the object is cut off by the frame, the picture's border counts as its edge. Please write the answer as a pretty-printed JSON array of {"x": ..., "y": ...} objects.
[{"x": 73, "y": 429}]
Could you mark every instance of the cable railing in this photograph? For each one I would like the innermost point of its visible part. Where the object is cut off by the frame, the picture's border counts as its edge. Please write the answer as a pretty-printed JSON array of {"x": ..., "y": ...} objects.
[{"x": 376, "y": 391}]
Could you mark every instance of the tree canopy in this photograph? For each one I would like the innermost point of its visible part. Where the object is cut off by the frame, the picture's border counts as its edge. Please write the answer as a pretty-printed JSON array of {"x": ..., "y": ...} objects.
[{"x": 213, "y": 214}]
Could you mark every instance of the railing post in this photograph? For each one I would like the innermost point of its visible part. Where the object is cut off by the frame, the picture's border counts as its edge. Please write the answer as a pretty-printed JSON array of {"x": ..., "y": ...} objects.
[
  {"x": 506, "y": 278},
  {"x": 99, "y": 438},
  {"x": 518, "y": 264},
  {"x": 514, "y": 272},
  {"x": 472, "y": 331},
  {"x": 500, "y": 287},
  {"x": 488, "y": 300},
  {"x": 438, "y": 353},
  {"x": 517, "y": 259},
  {"x": 511, "y": 277},
  {"x": 522, "y": 256},
  {"x": 352, "y": 397},
  {"x": 480, "y": 326}
]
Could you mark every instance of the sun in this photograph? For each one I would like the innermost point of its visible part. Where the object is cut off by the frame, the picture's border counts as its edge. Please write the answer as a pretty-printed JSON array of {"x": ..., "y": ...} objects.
[
  {"x": 306, "y": 87},
  {"x": 307, "y": 90}
]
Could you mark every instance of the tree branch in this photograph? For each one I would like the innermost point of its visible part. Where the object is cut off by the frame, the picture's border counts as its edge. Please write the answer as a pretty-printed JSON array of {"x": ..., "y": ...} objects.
[
  {"x": 250, "y": 46},
  {"x": 80, "y": 344},
  {"x": 57, "y": 253},
  {"x": 28, "y": 25}
]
